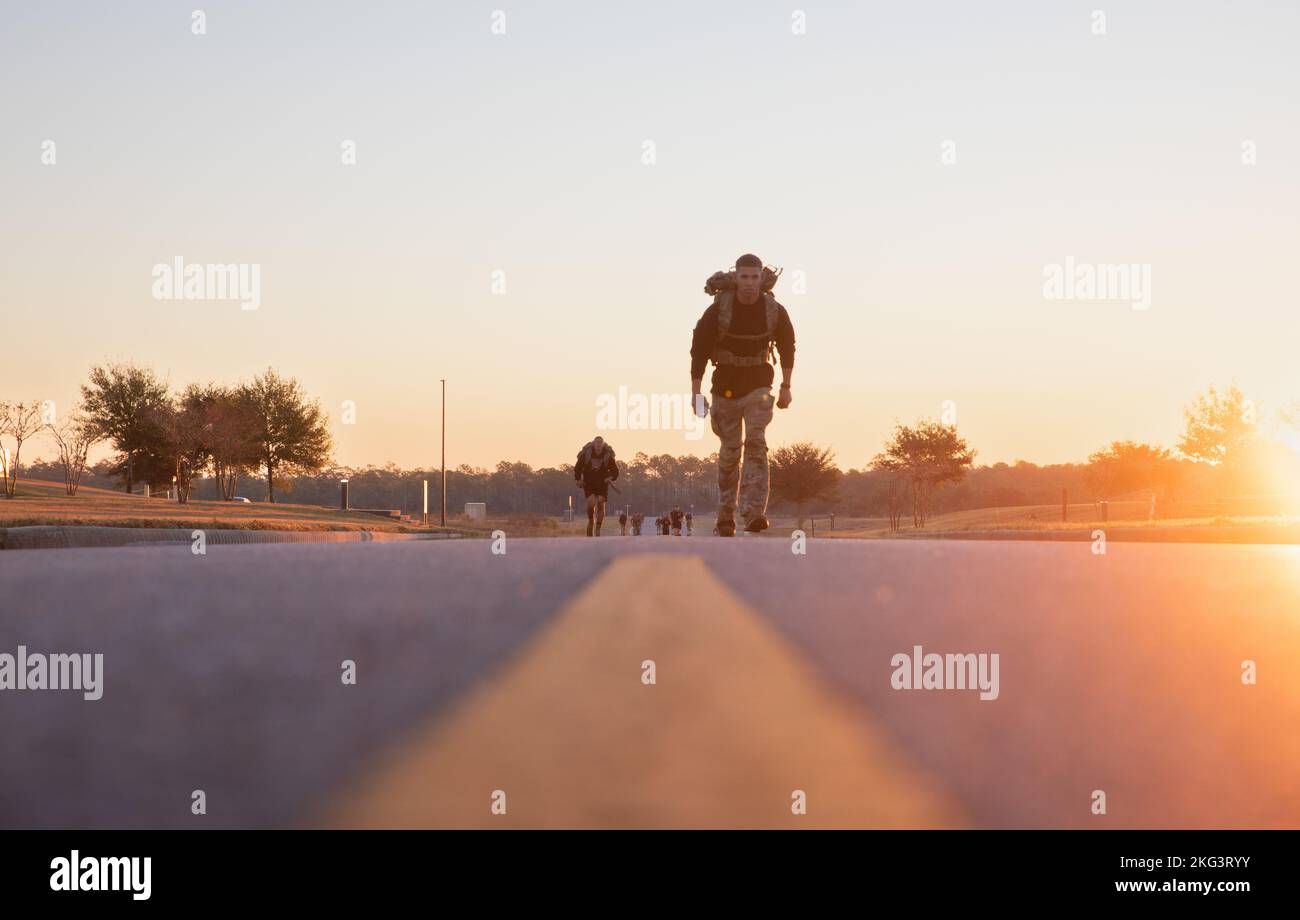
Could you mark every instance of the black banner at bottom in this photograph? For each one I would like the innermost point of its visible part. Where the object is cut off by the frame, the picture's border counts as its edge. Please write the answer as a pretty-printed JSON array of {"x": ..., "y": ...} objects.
[{"x": 333, "y": 869}]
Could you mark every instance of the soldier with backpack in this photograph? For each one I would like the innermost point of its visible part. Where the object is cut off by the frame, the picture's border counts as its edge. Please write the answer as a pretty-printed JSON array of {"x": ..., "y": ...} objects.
[
  {"x": 739, "y": 332},
  {"x": 595, "y": 469}
]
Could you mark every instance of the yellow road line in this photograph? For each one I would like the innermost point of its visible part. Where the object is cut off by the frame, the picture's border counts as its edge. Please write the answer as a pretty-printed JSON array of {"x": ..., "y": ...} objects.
[{"x": 735, "y": 723}]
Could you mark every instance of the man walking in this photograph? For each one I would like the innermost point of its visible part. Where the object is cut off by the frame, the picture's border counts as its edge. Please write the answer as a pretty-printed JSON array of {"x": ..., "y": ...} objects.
[
  {"x": 738, "y": 332},
  {"x": 592, "y": 474}
]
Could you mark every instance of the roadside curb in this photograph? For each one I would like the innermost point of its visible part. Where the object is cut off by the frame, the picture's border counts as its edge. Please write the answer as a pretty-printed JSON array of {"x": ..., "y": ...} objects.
[{"x": 77, "y": 537}]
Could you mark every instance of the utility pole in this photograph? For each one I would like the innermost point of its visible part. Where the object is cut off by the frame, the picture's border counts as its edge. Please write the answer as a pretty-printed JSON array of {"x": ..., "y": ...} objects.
[{"x": 444, "y": 451}]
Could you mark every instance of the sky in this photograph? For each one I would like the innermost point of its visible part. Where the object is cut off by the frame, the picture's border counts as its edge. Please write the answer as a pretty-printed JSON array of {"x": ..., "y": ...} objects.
[{"x": 533, "y": 210}]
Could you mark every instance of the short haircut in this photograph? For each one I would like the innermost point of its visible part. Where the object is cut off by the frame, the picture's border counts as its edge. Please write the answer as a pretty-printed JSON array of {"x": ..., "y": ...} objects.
[{"x": 749, "y": 260}]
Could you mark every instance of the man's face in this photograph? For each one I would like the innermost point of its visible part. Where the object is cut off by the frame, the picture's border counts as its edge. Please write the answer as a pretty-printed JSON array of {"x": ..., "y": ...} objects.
[
  {"x": 598, "y": 445},
  {"x": 749, "y": 279}
]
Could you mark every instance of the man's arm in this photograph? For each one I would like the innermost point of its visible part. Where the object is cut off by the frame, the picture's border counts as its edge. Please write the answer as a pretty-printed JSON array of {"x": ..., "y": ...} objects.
[
  {"x": 702, "y": 342},
  {"x": 784, "y": 336},
  {"x": 701, "y": 350}
]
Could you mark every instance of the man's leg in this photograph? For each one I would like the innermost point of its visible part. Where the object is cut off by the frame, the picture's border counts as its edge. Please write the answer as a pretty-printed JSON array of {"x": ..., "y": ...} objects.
[
  {"x": 591, "y": 513},
  {"x": 600, "y": 512},
  {"x": 757, "y": 410},
  {"x": 725, "y": 418}
]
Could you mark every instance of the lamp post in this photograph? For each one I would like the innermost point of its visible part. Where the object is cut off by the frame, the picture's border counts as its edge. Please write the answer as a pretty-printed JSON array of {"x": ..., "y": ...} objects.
[{"x": 444, "y": 452}]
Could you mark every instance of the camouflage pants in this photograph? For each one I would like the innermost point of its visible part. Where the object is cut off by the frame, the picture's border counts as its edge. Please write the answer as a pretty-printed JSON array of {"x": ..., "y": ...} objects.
[{"x": 754, "y": 411}]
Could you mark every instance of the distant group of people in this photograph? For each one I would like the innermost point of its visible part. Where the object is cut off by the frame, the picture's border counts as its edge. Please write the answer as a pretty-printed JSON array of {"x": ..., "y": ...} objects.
[
  {"x": 667, "y": 524},
  {"x": 671, "y": 523}
]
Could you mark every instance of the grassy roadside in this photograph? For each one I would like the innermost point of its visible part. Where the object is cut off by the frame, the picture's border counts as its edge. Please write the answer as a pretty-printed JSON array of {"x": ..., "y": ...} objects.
[
  {"x": 39, "y": 502},
  {"x": 1043, "y": 522}
]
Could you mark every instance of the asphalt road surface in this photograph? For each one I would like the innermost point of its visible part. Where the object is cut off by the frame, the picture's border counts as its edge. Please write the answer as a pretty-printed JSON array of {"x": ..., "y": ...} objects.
[{"x": 679, "y": 682}]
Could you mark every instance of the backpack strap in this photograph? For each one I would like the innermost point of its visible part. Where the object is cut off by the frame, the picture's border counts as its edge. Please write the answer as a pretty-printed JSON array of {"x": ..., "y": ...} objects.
[{"x": 726, "y": 302}]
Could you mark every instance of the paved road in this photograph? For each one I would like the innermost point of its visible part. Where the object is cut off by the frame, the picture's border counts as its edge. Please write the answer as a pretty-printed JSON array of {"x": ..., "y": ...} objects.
[{"x": 525, "y": 674}]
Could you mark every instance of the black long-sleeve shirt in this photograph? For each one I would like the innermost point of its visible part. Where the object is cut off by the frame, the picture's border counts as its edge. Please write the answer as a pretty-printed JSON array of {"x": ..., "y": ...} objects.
[
  {"x": 593, "y": 470},
  {"x": 733, "y": 381}
]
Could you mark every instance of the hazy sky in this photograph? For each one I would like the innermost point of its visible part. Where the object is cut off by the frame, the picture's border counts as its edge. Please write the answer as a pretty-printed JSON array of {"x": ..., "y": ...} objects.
[{"x": 525, "y": 153}]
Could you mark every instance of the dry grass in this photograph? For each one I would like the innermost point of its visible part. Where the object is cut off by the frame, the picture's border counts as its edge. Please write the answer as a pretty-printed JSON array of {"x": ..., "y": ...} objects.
[
  {"x": 39, "y": 502},
  {"x": 525, "y": 525},
  {"x": 1203, "y": 521}
]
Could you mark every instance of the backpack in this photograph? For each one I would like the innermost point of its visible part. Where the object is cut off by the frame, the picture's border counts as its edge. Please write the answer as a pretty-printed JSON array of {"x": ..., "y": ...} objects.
[
  {"x": 722, "y": 287},
  {"x": 584, "y": 455}
]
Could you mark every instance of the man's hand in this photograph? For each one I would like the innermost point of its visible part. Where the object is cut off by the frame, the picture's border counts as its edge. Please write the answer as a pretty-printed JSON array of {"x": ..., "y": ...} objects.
[
  {"x": 577, "y": 483},
  {"x": 783, "y": 401},
  {"x": 701, "y": 405}
]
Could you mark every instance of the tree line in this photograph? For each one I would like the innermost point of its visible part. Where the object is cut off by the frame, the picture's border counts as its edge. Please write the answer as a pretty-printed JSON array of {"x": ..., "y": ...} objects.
[
  {"x": 268, "y": 435},
  {"x": 167, "y": 439}
]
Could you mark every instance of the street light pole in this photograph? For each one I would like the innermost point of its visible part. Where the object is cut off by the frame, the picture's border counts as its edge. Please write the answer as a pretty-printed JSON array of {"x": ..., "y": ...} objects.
[{"x": 444, "y": 452}]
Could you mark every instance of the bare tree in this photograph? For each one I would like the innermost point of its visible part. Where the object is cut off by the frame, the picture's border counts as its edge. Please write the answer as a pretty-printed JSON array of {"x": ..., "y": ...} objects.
[
  {"x": 20, "y": 423},
  {"x": 73, "y": 437},
  {"x": 4, "y": 451},
  {"x": 895, "y": 499}
]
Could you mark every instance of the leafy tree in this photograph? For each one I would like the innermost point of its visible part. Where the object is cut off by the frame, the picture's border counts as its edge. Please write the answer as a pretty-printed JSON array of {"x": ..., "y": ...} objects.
[
  {"x": 801, "y": 474},
  {"x": 187, "y": 426},
  {"x": 1126, "y": 466},
  {"x": 123, "y": 403},
  {"x": 291, "y": 433},
  {"x": 926, "y": 457},
  {"x": 1218, "y": 425}
]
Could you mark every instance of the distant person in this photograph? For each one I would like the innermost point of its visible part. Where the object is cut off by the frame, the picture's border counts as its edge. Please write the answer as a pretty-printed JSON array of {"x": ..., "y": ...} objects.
[
  {"x": 622, "y": 523},
  {"x": 675, "y": 518},
  {"x": 637, "y": 519},
  {"x": 689, "y": 519},
  {"x": 595, "y": 469},
  {"x": 738, "y": 333}
]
